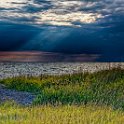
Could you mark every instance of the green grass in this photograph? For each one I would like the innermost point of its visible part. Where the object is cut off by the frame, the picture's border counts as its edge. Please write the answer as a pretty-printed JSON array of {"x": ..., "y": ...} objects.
[
  {"x": 100, "y": 88},
  {"x": 66, "y": 114},
  {"x": 83, "y": 98}
]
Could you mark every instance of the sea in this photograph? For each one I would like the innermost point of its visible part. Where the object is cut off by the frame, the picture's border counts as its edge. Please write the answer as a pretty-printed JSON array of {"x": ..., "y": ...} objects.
[{"x": 13, "y": 69}]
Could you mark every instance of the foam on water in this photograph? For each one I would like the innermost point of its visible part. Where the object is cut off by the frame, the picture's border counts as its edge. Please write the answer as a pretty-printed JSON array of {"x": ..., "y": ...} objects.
[{"x": 16, "y": 69}]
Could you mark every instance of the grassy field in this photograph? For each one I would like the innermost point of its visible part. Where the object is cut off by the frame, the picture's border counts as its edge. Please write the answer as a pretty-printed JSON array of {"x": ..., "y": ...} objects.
[
  {"x": 83, "y": 98},
  {"x": 66, "y": 114}
]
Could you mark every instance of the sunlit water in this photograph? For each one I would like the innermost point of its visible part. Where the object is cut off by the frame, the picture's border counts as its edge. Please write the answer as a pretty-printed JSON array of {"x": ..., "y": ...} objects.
[{"x": 16, "y": 69}]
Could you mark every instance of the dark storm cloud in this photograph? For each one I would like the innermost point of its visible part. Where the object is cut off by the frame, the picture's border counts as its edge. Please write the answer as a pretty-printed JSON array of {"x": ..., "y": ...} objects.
[
  {"x": 85, "y": 27},
  {"x": 13, "y": 36}
]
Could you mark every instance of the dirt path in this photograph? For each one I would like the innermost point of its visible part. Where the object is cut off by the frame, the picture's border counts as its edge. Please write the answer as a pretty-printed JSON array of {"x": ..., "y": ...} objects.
[{"x": 23, "y": 98}]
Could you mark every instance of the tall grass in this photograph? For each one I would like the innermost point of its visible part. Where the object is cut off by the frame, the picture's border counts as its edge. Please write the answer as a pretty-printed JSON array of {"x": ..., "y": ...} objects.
[
  {"x": 101, "y": 88},
  {"x": 90, "y": 114}
]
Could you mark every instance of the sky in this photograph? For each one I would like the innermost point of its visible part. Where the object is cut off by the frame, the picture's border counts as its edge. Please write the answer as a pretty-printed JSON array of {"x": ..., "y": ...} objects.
[{"x": 69, "y": 27}]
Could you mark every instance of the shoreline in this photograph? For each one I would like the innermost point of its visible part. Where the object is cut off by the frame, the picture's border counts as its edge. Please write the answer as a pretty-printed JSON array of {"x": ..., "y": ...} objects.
[{"x": 10, "y": 69}]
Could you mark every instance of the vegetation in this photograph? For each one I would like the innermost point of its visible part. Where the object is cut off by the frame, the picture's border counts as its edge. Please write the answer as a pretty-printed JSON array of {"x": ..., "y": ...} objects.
[
  {"x": 104, "y": 87},
  {"x": 83, "y": 98},
  {"x": 12, "y": 114}
]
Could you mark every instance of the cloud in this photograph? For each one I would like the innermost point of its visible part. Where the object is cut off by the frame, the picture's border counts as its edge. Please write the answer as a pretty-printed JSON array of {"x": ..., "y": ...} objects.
[
  {"x": 13, "y": 36},
  {"x": 8, "y": 4},
  {"x": 82, "y": 27},
  {"x": 33, "y": 56},
  {"x": 59, "y": 13}
]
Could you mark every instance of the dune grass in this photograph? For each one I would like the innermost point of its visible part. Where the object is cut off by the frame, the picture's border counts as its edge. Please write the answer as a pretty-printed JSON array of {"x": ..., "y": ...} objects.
[
  {"x": 66, "y": 114},
  {"x": 83, "y": 98},
  {"x": 100, "y": 88}
]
